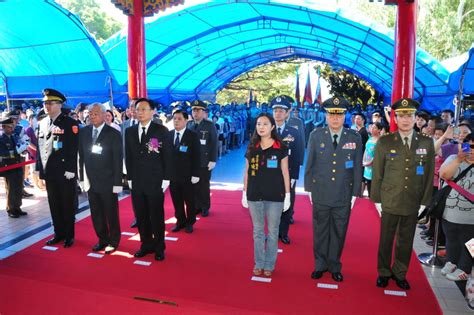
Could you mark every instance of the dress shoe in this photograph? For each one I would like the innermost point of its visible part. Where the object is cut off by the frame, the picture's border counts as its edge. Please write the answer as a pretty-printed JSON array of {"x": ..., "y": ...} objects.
[
  {"x": 292, "y": 221},
  {"x": 205, "y": 212},
  {"x": 98, "y": 247},
  {"x": 54, "y": 240},
  {"x": 68, "y": 242},
  {"x": 110, "y": 249},
  {"x": 160, "y": 256},
  {"x": 317, "y": 274},
  {"x": 189, "y": 229},
  {"x": 134, "y": 224},
  {"x": 176, "y": 228},
  {"x": 285, "y": 240},
  {"x": 337, "y": 276},
  {"x": 21, "y": 212},
  {"x": 12, "y": 214},
  {"x": 26, "y": 194},
  {"x": 382, "y": 282},
  {"x": 402, "y": 284},
  {"x": 141, "y": 253}
]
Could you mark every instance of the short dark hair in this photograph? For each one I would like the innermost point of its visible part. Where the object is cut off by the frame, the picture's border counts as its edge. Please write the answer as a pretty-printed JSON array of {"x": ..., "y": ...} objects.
[
  {"x": 468, "y": 126},
  {"x": 143, "y": 99},
  {"x": 469, "y": 137},
  {"x": 448, "y": 111},
  {"x": 441, "y": 126},
  {"x": 182, "y": 112}
]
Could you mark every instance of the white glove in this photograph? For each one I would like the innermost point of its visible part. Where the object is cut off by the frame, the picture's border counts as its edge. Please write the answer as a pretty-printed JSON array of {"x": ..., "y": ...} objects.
[
  {"x": 353, "y": 200},
  {"x": 81, "y": 184},
  {"x": 165, "y": 184},
  {"x": 292, "y": 182},
  {"x": 117, "y": 189},
  {"x": 245, "y": 203},
  {"x": 129, "y": 182},
  {"x": 211, "y": 165},
  {"x": 378, "y": 206},
  {"x": 69, "y": 175},
  {"x": 287, "y": 202},
  {"x": 422, "y": 208},
  {"x": 194, "y": 180},
  {"x": 310, "y": 198}
]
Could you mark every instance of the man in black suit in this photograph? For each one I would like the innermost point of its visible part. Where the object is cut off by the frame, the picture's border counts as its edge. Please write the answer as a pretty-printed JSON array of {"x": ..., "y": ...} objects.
[
  {"x": 100, "y": 173},
  {"x": 207, "y": 134},
  {"x": 147, "y": 157},
  {"x": 184, "y": 171},
  {"x": 57, "y": 164}
]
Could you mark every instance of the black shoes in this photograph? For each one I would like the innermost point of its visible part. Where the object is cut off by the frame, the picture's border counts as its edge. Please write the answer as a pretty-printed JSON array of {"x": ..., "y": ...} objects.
[
  {"x": 176, "y": 228},
  {"x": 141, "y": 253},
  {"x": 21, "y": 212},
  {"x": 13, "y": 214},
  {"x": 285, "y": 239},
  {"x": 68, "y": 242},
  {"x": 160, "y": 256},
  {"x": 98, "y": 247},
  {"x": 292, "y": 221},
  {"x": 189, "y": 229},
  {"x": 54, "y": 240},
  {"x": 26, "y": 194},
  {"x": 134, "y": 224},
  {"x": 205, "y": 213},
  {"x": 317, "y": 274},
  {"x": 382, "y": 282},
  {"x": 402, "y": 284},
  {"x": 337, "y": 276}
]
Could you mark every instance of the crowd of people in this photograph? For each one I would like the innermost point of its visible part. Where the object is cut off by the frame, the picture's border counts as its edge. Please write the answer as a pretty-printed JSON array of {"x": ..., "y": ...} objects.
[{"x": 348, "y": 151}]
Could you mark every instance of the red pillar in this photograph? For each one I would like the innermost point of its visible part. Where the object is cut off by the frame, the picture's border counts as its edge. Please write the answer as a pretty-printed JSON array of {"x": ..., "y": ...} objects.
[
  {"x": 404, "y": 60},
  {"x": 136, "y": 52}
]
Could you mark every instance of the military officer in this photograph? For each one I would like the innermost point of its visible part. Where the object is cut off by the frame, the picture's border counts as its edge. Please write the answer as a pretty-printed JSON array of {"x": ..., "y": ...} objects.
[
  {"x": 14, "y": 177},
  {"x": 291, "y": 137},
  {"x": 57, "y": 164},
  {"x": 208, "y": 139},
  {"x": 333, "y": 176},
  {"x": 402, "y": 183}
]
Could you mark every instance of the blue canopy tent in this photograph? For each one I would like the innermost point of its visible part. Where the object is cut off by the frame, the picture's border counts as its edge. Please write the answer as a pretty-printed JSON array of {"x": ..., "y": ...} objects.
[
  {"x": 465, "y": 72},
  {"x": 43, "y": 45},
  {"x": 197, "y": 49}
]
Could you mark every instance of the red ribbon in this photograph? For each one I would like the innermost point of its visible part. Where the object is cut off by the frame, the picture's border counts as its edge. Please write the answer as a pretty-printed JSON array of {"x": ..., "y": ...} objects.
[{"x": 18, "y": 165}]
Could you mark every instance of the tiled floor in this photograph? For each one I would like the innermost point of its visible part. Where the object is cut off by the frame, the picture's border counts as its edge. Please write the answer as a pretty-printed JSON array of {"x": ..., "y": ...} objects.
[{"x": 17, "y": 234}]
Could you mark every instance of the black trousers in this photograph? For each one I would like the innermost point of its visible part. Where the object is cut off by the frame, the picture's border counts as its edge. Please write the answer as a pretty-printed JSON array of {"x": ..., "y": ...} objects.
[
  {"x": 403, "y": 228},
  {"x": 14, "y": 188},
  {"x": 183, "y": 194},
  {"x": 62, "y": 198},
  {"x": 105, "y": 217},
  {"x": 150, "y": 219},
  {"x": 456, "y": 237},
  {"x": 287, "y": 215},
  {"x": 203, "y": 189}
]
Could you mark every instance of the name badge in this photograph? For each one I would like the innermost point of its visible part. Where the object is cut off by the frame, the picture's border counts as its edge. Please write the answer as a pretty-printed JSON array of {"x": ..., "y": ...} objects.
[
  {"x": 289, "y": 151},
  {"x": 203, "y": 141},
  {"x": 349, "y": 164},
  {"x": 272, "y": 163},
  {"x": 183, "y": 148},
  {"x": 420, "y": 170},
  {"x": 96, "y": 149},
  {"x": 57, "y": 145}
]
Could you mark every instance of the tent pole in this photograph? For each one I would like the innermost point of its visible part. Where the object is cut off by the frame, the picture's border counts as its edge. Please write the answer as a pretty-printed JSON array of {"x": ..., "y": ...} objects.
[
  {"x": 4, "y": 78},
  {"x": 136, "y": 52},
  {"x": 111, "y": 91}
]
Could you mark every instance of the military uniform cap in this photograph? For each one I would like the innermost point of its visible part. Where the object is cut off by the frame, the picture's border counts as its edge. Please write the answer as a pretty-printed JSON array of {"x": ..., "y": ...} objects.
[
  {"x": 7, "y": 121},
  {"x": 405, "y": 105},
  {"x": 335, "y": 105},
  {"x": 198, "y": 104},
  {"x": 281, "y": 101},
  {"x": 53, "y": 95},
  {"x": 14, "y": 113}
]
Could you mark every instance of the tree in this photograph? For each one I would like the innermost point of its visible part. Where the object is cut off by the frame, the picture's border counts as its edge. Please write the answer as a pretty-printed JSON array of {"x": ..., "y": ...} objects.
[{"x": 97, "y": 22}]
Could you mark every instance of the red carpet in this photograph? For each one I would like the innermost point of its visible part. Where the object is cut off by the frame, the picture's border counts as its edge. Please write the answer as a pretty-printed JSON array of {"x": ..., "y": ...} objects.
[{"x": 208, "y": 272}]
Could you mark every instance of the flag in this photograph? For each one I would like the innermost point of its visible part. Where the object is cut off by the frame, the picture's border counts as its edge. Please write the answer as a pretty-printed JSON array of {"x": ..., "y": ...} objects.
[
  {"x": 308, "y": 97},
  {"x": 317, "y": 95},
  {"x": 297, "y": 90}
]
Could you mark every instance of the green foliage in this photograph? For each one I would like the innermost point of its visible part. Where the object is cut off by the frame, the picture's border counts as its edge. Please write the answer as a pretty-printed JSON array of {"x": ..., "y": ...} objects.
[{"x": 97, "y": 22}]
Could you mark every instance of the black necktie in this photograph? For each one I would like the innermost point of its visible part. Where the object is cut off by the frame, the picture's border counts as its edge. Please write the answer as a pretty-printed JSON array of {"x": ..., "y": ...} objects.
[
  {"x": 176, "y": 141},
  {"x": 279, "y": 130},
  {"x": 142, "y": 137},
  {"x": 334, "y": 143}
]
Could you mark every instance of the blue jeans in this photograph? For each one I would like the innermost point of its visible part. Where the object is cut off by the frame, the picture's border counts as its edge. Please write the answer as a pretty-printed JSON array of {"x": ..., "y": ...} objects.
[{"x": 265, "y": 258}]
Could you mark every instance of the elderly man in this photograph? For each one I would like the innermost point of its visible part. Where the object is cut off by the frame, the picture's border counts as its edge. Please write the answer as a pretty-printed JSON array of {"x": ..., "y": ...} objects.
[
  {"x": 100, "y": 172},
  {"x": 333, "y": 176},
  {"x": 57, "y": 164}
]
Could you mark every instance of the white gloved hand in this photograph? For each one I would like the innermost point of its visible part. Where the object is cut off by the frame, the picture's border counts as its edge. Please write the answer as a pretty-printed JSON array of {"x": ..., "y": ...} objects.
[
  {"x": 353, "y": 201},
  {"x": 292, "y": 182},
  {"x": 81, "y": 184},
  {"x": 194, "y": 180},
  {"x": 165, "y": 184},
  {"x": 245, "y": 203},
  {"x": 211, "y": 165},
  {"x": 129, "y": 182},
  {"x": 378, "y": 206},
  {"x": 117, "y": 189},
  {"x": 422, "y": 208},
  {"x": 310, "y": 195},
  {"x": 69, "y": 175},
  {"x": 287, "y": 202}
]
